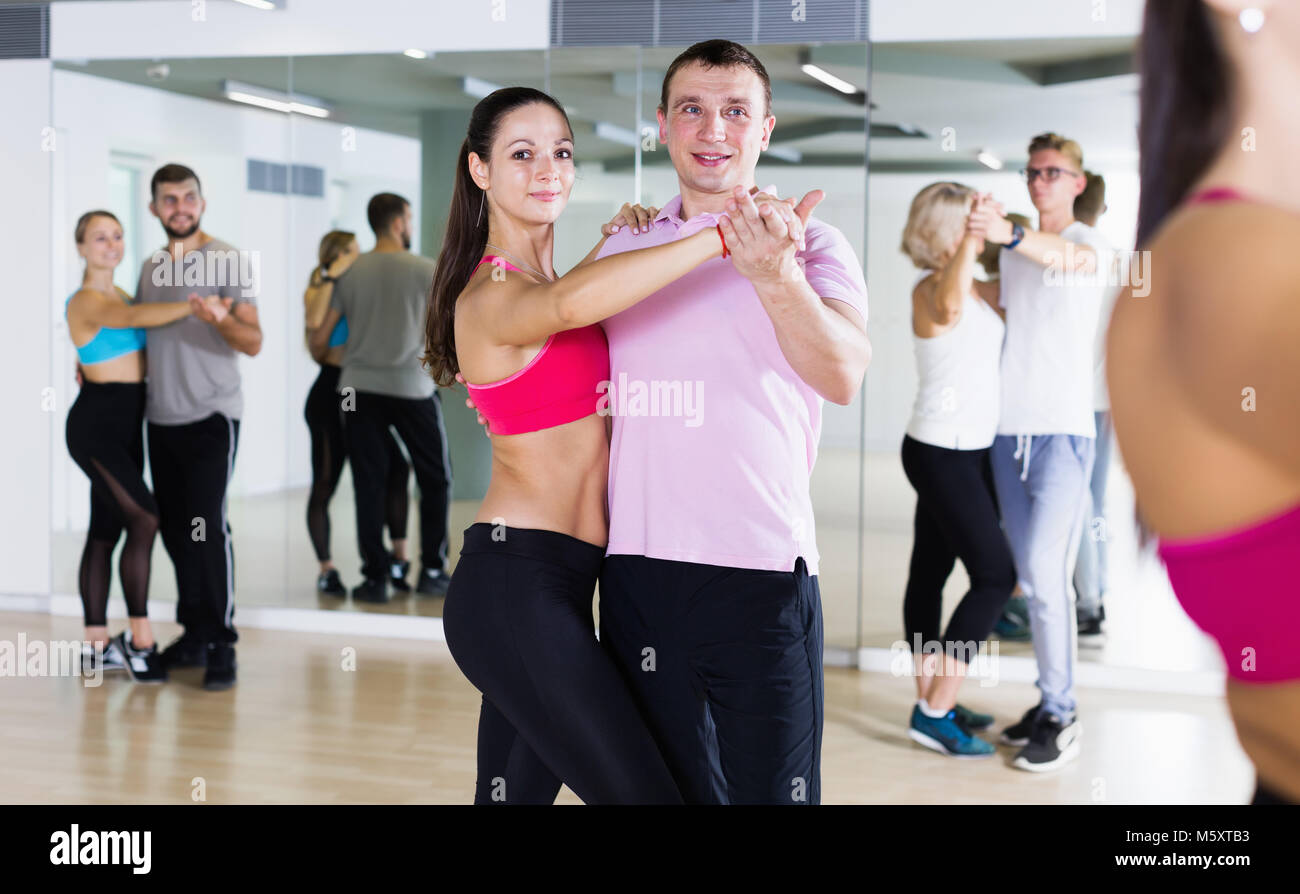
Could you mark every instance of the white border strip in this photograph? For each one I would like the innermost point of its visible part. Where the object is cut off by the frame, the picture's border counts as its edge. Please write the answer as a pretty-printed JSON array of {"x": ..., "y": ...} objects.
[
  {"x": 261, "y": 617},
  {"x": 1013, "y": 669},
  {"x": 1088, "y": 675}
]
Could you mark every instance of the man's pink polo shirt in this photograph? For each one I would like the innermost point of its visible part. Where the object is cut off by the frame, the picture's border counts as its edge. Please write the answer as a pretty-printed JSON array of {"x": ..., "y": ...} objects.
[{"x": 714, "y": 435}]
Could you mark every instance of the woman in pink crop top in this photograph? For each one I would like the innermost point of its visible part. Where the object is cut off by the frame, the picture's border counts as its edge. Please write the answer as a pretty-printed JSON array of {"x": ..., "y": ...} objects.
[
  {"x": 1204, "y": 371},
  {"x": 518, "y": 614}
]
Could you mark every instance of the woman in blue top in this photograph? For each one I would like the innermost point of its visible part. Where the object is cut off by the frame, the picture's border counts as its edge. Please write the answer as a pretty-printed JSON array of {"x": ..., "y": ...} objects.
[
  {"x": 338, "y": 249},
  {"x": 104, "y": 435}
]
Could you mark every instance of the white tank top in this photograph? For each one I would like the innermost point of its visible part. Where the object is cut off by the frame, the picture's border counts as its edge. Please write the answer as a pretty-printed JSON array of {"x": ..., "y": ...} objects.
[{"x": 959, "y": 388}]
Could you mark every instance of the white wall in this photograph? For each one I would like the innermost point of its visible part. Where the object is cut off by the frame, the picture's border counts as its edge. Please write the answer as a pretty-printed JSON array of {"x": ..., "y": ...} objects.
[
  {"x": 97, "y": 118},
  {"x": 193, "y": 28},
  {"x": 32, "y": 431},
  {"x": 933, "y": 20}
]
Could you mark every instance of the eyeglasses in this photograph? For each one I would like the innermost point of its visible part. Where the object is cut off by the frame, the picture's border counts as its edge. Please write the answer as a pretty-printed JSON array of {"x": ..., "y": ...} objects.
[{"x": 1051, "y": 175}]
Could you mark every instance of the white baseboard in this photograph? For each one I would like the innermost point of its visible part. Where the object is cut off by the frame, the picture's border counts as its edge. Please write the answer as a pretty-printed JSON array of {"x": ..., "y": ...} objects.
[{"x": 1013, "y": 669}]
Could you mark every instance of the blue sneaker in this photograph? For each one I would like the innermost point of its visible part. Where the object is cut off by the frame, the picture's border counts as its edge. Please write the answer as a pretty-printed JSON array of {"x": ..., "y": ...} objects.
[
  {"x": 973, "y": 721},
  {"x": 947, "y": 736}
]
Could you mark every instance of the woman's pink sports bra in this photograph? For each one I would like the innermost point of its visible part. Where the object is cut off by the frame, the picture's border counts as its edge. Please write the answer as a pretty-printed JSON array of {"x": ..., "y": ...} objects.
[
  {"x": 1241, "y": 587},
  {"x": 559, "y": 385}
]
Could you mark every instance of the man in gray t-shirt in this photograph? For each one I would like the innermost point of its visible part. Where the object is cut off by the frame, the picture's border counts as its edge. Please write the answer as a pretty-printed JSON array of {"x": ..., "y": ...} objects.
[
  {"x": 193, "y": 411},
  {"x": 193, "y": 369},
  {"x": 384, "y": 296}
]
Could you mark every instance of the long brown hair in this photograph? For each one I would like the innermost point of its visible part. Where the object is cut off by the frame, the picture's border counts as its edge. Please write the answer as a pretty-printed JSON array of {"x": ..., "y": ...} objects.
[
  {"x": 467, "y": 228},
  {"x": 332, "y": 244},
  {"x": 1184, "y": 116},
  {"x": 1185, "y": 105}
]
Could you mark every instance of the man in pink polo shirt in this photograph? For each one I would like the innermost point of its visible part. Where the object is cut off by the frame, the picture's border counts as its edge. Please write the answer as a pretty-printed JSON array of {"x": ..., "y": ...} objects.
[{"x": 708, "y": 599}]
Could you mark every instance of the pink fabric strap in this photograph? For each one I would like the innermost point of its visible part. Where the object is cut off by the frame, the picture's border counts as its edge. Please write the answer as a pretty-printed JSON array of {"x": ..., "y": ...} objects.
[
  {"x": 1216, "y": 194},
  {"x": 498, "y": 261}
]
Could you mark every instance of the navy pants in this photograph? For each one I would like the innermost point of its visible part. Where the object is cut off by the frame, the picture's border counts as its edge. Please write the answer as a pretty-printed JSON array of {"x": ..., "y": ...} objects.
[{"x": 726, "y": 665}]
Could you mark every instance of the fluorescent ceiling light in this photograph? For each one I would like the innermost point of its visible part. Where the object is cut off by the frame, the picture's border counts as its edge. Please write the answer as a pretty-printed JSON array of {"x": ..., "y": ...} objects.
[
  {"x": 827, "y": 78},
  {"x": 274, "y": 100},
  {"x": 257, "y": 4},
  {"x": 478, "y": 88},
  {"x": 416, "y": 54},
  {"x": 989, "y": 160},
  {"x": 616, "y": 134},
  {"x": 785, "y": 153}
]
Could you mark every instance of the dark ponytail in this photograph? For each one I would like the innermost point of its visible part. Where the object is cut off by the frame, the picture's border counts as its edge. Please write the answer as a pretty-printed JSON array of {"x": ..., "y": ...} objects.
[
  {"x": 1185, "y": 104},
  {"x": 467, "y": 228}
]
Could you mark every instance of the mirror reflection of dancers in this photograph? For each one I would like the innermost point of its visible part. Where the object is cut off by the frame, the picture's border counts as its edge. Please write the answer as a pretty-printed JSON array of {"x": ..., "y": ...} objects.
[
  {"x": 338, "y": 249},
  {"x": 1203, "y": 371},
  {"x": 105, "y": 436},
  {"x": 518, "y": 615}
]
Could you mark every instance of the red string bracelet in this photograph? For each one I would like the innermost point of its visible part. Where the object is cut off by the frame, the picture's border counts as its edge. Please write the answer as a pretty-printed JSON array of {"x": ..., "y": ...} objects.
[{"x": 725, "y": 252}]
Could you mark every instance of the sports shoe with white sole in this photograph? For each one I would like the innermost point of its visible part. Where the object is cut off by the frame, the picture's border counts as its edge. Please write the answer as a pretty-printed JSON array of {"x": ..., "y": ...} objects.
[
  {"x": 1052, "y": 744},
  {"x": 1017, "y": 735},
  {"x": 144, "y": 665},
  {"x": 947, "y": 735}
]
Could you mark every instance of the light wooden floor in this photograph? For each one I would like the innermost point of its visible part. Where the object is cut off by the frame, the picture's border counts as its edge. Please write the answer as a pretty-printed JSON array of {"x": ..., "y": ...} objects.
[{"x": 401, "y": 729}]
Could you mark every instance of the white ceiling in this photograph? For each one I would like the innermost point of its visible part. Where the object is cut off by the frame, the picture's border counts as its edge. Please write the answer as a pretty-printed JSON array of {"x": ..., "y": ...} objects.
[{"x": 995, "y": 94}]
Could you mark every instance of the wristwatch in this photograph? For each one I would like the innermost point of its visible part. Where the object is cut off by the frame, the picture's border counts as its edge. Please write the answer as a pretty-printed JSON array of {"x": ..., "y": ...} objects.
[
  {"x": 1017, "y": 233},
  {"x": 325, "y": 277}
]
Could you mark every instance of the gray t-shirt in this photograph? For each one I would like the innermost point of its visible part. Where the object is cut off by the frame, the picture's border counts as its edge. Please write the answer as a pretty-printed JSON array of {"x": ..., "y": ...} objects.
[
  {"x": 193, "y": 373},
  {"x": 384, "y": 296}
]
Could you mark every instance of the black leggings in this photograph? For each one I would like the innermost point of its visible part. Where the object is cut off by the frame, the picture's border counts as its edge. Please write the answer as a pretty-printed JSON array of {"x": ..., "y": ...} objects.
[
  {"x": 555, "y": 709},
  {"x": 956, "y": 518},
  {"x": 105, "y": 438},
  {"x": 329, "y": 452}
]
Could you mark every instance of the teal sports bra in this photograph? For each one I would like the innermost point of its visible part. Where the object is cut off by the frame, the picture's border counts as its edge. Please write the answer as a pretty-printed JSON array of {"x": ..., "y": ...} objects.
[
  {"x": 340, "y": 334},
  {"x": 108, "y": 343}
]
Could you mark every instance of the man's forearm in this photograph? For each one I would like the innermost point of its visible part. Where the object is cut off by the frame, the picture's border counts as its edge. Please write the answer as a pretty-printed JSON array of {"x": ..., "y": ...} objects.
[
  {"x": 243, "y": 337},
  {"x": 821, "y": 346}
]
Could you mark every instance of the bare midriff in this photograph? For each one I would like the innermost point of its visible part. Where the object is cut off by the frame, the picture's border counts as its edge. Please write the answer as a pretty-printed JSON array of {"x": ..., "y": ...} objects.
[{"x": 552, "y": 480}]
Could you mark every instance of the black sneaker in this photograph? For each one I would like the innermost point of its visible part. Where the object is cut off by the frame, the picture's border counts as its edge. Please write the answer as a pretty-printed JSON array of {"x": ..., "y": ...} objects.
[
  {"x": 110, "y": 658},
  {"x": 398, "y": 569},
  {"x": 1018, "y": 733},
  {"x": 1092, "y": 631},
  {"x": 144, "y": 665},
  {"x": 184, "y": 651},
  {"x": 371, "y": 591},
  {"x": 221, "y": 667},
  {"x": 433, "y": 582},
  {"x": 1052, "y": 744},
  {"x": 330, "y": 584}
]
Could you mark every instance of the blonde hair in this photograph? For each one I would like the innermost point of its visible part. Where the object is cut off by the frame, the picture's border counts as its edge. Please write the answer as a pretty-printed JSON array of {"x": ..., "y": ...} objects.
[
  {"x": 332, "y": 244},
  {"x": 1067, "y": 147},
  {"x": 1088, "y": 204},
  {"x": 937, "y": 218}
]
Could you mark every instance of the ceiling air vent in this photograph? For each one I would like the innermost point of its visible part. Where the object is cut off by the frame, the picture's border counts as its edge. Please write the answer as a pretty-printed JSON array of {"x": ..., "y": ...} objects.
[
  {"x": 25, "y": 31},
  {"x": 579, "y": 23}
]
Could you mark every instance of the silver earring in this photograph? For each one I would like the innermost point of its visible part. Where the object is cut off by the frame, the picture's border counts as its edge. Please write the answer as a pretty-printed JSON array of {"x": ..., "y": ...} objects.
[
  {"x": 1251, "y": 19},
  {"x": 480, "y": 211}
]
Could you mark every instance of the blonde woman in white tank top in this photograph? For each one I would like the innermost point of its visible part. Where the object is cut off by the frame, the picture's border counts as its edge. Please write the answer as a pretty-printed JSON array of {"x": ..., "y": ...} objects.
[{"x": 957, "y": 330}]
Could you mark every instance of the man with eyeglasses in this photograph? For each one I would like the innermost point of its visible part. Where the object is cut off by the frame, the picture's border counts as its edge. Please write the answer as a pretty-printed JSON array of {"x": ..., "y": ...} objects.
[{"x": 1043, "y": 455}]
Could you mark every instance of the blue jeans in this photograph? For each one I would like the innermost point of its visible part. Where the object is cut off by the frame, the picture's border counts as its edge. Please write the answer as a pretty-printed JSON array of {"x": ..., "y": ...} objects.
[
  {"x": 1090, "y": 571},
  {"x": 1042, "y": 485}
]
